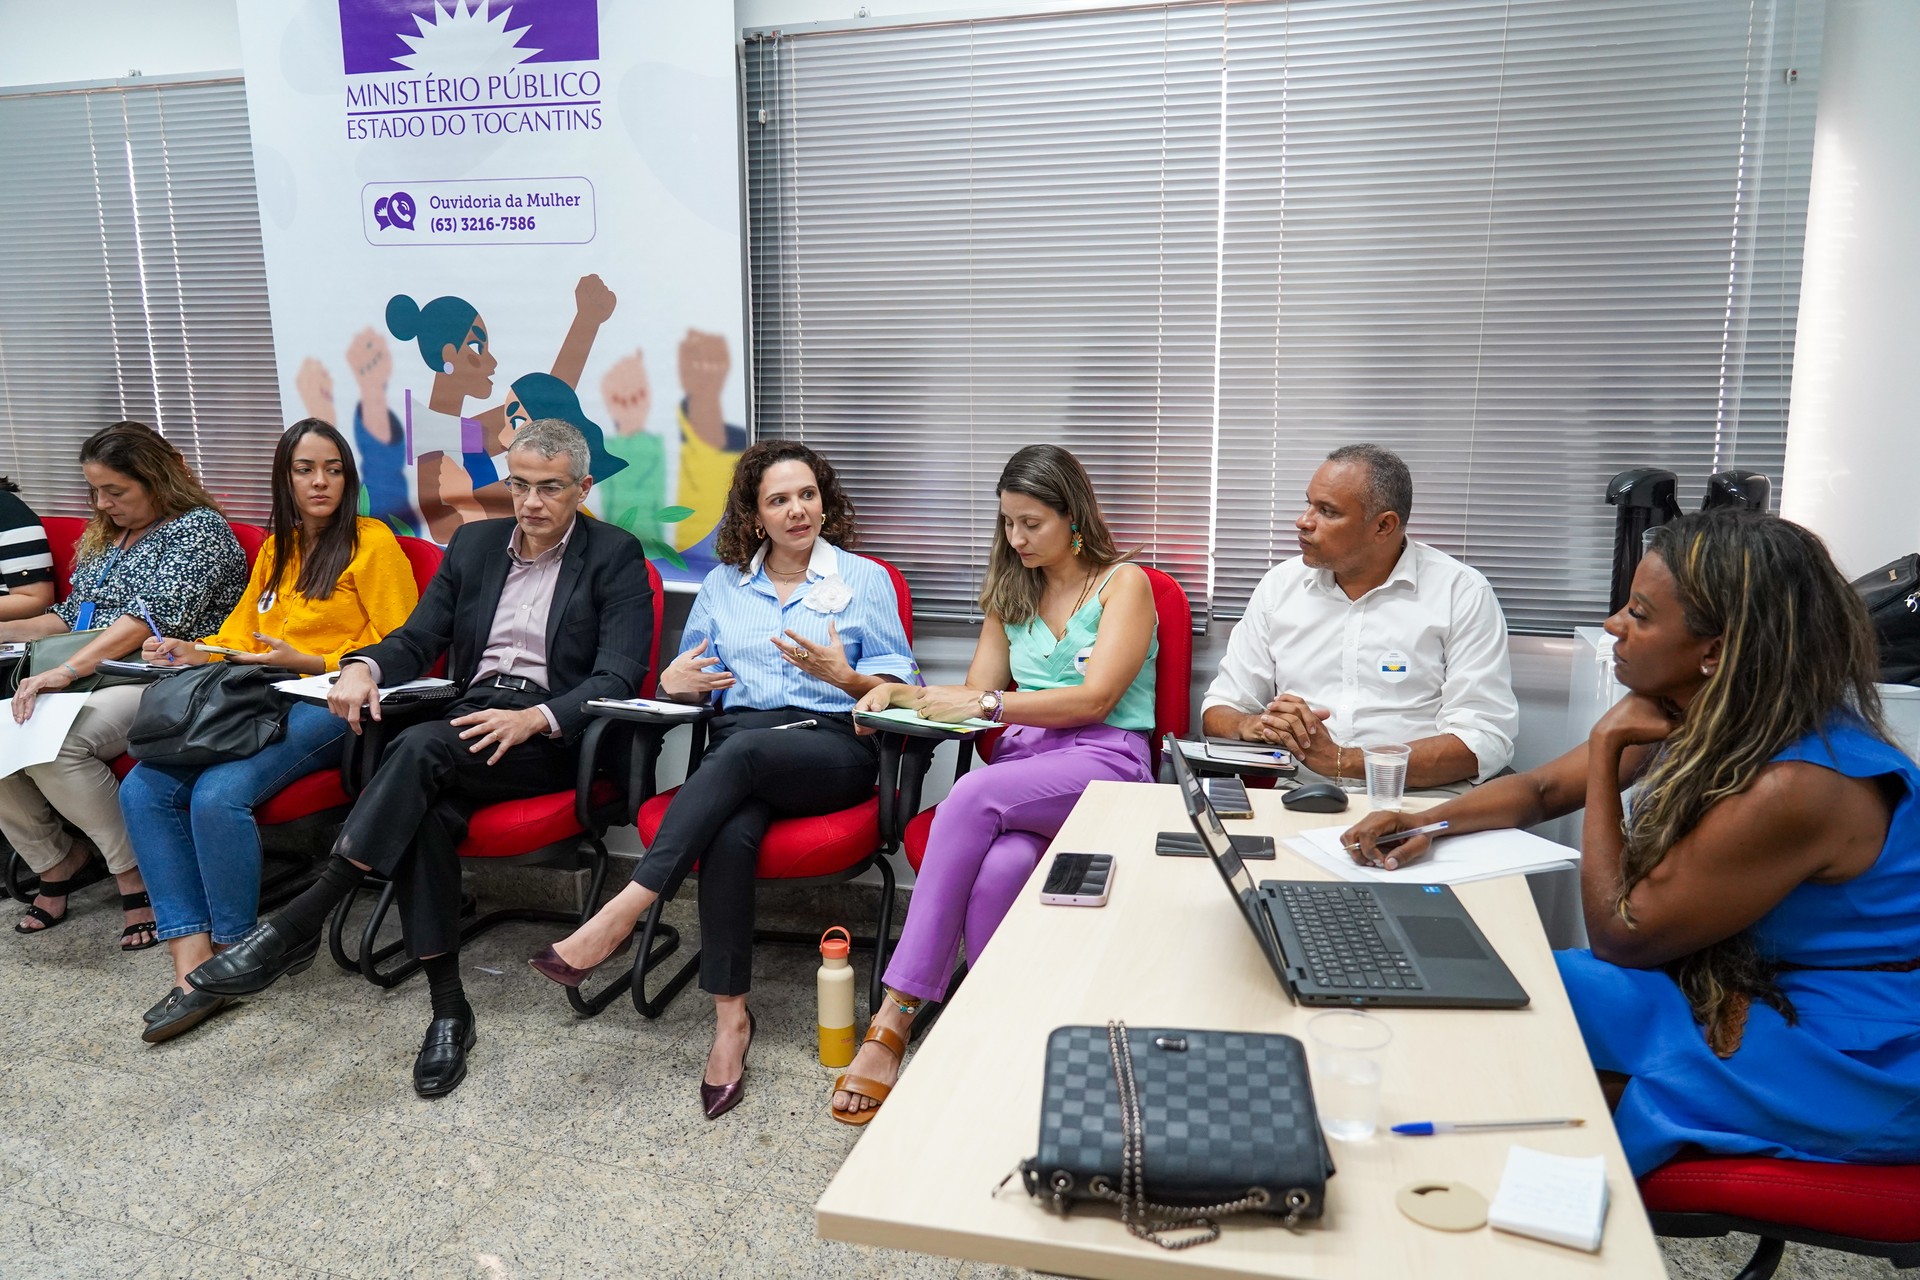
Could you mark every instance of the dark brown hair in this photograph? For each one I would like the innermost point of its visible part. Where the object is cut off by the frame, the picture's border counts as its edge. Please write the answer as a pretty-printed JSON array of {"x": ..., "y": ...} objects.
[
  {"x": 1046, "y": 473},
  {"x": 738, "y": 539},
  {"x": 142, "y": 454},
  {"x": 328, "y": 556}
]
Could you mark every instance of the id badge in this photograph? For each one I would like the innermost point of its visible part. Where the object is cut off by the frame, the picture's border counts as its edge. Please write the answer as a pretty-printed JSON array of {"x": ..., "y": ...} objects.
[{"x": 83, "y": 621}]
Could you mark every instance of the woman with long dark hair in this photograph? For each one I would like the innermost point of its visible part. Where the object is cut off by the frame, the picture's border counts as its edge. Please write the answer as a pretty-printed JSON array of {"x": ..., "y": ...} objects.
[
  {"x": 1754, "y": 913},
  {"x": 156, "y": 551},
  {"x": 786, "y": 633},
  {"x": 326, "y": 583},
  {"x": 1071, "y": 624}
]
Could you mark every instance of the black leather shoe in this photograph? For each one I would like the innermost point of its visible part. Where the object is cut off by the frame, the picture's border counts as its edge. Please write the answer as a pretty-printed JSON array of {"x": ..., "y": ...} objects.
[
  {"x": 442, "y": 1063},
  {"x": 184, "y": 1011},
  {"x": 261, "y": 958},
  {"x": 159, "y": 1009}
]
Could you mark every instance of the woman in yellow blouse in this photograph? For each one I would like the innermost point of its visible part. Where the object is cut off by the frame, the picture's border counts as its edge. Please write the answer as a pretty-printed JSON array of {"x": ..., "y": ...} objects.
[{"x": 326, "y": 583}]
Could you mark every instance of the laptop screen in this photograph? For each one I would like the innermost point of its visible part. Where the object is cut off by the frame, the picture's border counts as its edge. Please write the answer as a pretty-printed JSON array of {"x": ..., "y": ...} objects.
[{"x": 1206, "y": 823}]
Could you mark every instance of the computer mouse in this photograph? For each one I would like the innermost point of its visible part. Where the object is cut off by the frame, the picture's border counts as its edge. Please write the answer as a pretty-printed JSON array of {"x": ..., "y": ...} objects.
[{"x": 1316, "y": 797}]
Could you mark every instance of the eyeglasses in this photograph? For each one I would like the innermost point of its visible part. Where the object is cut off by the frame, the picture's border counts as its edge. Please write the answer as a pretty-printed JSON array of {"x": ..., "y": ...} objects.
[{"x": 547, "y": 489}]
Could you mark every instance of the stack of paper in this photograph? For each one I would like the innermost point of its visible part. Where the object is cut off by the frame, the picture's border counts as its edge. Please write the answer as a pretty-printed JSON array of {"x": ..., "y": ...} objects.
[
  {"x": 320, "y": 686},
  {"x": 1243, "y": 755},
  {"x": 1450, "y": 860},
  {"x": 1559, "y": 1199}
]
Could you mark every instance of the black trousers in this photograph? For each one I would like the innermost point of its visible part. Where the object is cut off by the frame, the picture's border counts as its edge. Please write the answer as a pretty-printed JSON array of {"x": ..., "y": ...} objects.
[
  {"x": 749, "y": 776},
  {"x": 409, "y": 822}
]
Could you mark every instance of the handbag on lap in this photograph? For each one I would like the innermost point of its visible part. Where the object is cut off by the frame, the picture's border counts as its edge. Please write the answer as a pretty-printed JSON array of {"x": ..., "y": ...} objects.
[
  {"x": 1179, "y": 1128},
  {"x": 209, "y": 715},
  {"x": 47, "y": 652}
]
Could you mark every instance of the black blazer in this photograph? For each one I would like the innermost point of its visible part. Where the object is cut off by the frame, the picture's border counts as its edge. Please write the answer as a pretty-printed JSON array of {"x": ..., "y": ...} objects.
[{"x": 599, "y": 630}]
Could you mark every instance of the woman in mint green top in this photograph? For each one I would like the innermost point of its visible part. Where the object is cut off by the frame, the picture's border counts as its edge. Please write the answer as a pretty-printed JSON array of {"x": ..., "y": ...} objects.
[{"x": 1065, "y": 660}]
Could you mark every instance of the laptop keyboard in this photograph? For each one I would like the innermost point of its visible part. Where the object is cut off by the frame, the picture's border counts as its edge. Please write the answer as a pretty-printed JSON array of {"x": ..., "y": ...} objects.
[{"x": 1348, "y": 945}]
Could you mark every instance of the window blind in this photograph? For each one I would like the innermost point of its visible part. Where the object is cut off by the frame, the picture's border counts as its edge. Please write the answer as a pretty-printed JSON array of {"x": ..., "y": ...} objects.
[
  {"x": 1527, "y": 243},
  {"x": 132, "y": 286},
  {"x": 969, "y": 238}
]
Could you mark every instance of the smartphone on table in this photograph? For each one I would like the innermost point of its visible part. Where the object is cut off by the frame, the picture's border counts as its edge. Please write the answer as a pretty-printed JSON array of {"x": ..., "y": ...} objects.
[
  {"x": 1229, "y": 797},
  {"x": 1078, "y": 880}
]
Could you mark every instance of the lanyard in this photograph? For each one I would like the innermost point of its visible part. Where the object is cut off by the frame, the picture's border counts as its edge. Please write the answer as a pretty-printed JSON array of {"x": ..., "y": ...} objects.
[{"x": 83, "y": 616}]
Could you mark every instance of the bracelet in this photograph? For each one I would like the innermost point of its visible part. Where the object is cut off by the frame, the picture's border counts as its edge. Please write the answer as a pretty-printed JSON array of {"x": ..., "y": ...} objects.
[
  {"x": 72, "y": 671},
  {"x": 1339, "y": 763}
]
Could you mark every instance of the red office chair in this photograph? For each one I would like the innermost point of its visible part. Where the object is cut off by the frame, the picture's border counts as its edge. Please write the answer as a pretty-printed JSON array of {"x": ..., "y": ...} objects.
[
  {"x": 1172, "y": 699},
  {"x": 1872, "y": 1210},
  {"x": 63, "y": 541},
  {"x": 828, "y": 849},
  {"x": 325, "y": 796},
  {"x": 517, "y": 828}
]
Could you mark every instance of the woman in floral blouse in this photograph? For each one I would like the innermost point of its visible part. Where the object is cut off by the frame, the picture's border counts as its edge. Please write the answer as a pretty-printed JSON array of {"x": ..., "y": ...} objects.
[{"x": 156, "y": 548}]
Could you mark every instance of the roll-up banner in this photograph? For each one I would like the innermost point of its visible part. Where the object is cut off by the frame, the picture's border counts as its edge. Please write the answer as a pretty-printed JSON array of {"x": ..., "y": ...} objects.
[{"x": 480, "y": 213}]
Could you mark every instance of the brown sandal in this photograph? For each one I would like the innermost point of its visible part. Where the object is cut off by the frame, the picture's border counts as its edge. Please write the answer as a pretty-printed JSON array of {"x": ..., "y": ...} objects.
[{"x": 865, "y": 1087}]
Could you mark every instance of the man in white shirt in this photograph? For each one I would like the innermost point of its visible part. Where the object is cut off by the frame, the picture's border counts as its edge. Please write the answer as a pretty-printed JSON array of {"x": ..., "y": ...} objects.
[{"x": 1368, "y": 636}]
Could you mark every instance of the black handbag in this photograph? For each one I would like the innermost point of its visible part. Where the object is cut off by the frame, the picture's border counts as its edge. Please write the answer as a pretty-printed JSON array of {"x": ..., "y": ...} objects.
[
  {"x": 1892, "y": 595},
  {"x": 208, "y": 716},
  {"x": 1179, "y": 1128}
]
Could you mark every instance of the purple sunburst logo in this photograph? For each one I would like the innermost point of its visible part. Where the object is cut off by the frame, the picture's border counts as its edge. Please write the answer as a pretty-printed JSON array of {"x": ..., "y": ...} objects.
[{"x": 422, "y": 35}]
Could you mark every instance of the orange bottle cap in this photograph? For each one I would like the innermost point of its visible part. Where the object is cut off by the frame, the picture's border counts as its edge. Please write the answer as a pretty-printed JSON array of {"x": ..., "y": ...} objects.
[{"x": 832, "y": 948}]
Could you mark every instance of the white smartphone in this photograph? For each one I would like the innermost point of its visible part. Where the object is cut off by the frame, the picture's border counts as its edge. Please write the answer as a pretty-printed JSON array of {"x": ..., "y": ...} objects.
[
  {"x": 1078, "y": 880},
  {"x": 231, "y": 653}
]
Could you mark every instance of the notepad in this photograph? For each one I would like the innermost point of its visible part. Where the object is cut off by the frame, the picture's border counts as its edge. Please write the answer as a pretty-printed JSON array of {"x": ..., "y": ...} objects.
[
  {"x": 1559, "y": 1199},
  {"x": 140, "y": 669},
  {"x": 1450, "y": 860},
  {"x": 906, "y": 715},
  {"x": 1240, "y": 755},
  {"x": 320, "y": 686},
  {"x": 679, "y": 710}
]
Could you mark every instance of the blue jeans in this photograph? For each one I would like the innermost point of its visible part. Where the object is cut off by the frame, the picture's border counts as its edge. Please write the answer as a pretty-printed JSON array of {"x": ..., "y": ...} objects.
[{"x": 193, "y": 829}]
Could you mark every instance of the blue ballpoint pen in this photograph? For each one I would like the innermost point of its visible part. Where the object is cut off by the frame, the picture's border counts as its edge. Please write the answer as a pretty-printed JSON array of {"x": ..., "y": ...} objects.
[
  {"x": 1427, "y": 1128},
  {"x": 141, "y": 604}
]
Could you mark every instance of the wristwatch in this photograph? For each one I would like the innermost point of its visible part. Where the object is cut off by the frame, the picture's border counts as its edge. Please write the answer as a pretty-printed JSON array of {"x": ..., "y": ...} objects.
[{"x": 992, "y": 704}]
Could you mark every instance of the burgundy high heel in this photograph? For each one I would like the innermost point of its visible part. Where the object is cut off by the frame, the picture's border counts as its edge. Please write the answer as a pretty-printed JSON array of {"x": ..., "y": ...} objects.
[
  {"x": 718, "y": 1099},
  {"x": 548, "y": 964}
]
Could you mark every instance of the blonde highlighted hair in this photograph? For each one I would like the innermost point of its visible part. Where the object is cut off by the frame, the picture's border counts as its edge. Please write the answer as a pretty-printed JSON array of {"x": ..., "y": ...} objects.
[
  {"x": 1049, "y": 474},
  {"x": 142, "y": 454}
]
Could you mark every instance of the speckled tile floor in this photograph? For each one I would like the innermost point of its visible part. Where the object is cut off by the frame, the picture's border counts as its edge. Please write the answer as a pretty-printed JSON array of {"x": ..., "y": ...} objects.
[{"x": 283, "y": 1139}]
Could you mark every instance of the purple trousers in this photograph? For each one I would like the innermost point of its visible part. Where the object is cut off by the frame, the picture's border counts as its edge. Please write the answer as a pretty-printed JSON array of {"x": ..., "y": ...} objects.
[{"x": 988, "y": 835}]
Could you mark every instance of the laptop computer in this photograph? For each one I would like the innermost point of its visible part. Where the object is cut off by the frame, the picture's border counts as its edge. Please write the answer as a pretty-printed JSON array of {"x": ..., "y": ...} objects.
[{"x": 1340, "y": 943}]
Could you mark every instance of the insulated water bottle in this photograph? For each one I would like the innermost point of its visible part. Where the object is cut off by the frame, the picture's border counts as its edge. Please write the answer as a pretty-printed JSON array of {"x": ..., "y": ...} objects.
[{"x": 834, "y": 982}]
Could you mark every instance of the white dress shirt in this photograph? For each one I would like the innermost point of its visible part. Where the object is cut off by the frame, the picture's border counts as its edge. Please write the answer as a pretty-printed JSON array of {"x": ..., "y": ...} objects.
[{"x": 1422, "y": 654}]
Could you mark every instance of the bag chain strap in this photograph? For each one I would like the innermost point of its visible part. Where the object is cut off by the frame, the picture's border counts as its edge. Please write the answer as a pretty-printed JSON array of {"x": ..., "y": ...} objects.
[{"x": 1132, "y": 1196}]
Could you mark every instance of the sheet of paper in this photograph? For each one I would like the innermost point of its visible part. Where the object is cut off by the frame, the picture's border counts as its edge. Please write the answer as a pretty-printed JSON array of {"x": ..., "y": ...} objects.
[
  {"x": 906, "y": 715},
  {"x": 40, "y": 738},
  {"x": 1451, "y": 860},
  {"x": 319, "y": 686},
  {"x": 687, "y": 711}
]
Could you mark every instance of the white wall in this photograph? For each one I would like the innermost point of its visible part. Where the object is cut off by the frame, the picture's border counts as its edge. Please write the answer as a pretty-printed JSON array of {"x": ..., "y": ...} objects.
[
  {"x": 61, "y": 41},
  {"x": 1853, "y": 456}
]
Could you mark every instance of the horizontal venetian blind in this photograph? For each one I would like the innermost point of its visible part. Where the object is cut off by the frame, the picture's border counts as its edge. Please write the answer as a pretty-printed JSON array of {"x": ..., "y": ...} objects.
[
  {"x": 969, "y": 238},
  {"x": 1527, "y": 245},
  {"x": 132, "y": 286}
]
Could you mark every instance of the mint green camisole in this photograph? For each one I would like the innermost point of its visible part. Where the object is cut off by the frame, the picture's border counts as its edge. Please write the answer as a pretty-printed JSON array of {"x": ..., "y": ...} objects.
[{"x": 1041, "y": 662}]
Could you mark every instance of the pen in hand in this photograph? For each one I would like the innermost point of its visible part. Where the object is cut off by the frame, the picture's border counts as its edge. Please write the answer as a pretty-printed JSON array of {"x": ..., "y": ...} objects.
[{"x": 141, "y": 604}]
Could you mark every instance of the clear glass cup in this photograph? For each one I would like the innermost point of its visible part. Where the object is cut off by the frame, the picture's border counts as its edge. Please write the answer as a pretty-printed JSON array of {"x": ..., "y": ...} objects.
[
  {"x": 1348, "y": 1051},
  {"x": 1387, "y": 775}
]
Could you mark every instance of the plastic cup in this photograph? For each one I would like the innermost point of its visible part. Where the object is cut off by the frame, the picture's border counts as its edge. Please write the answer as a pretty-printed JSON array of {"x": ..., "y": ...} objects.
[
  {"x": 1387, "y": 775},
  {"x": 1348, "y": 1050}
]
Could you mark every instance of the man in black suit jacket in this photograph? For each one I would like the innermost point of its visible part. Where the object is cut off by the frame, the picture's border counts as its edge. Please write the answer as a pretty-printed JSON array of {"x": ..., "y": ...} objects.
[{"x": 536, "y": 616}]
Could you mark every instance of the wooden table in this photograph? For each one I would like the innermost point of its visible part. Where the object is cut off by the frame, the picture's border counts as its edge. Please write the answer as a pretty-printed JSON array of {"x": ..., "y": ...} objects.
[{"x": 1170, "y": 950}]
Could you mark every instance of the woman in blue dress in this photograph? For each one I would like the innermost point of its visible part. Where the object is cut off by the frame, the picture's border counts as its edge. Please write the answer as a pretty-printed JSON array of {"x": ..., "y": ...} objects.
[{"x": 1753, "y": 906}]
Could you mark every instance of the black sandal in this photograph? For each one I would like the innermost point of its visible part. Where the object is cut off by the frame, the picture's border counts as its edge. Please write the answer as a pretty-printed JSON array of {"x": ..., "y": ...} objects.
[
  {"x": 48, "y": 889},
  {"x": 134, "y": 902}
]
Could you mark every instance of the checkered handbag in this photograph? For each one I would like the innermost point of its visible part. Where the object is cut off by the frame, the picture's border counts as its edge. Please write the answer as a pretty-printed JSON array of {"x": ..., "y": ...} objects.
[{"x": 1179, "y": 1128}]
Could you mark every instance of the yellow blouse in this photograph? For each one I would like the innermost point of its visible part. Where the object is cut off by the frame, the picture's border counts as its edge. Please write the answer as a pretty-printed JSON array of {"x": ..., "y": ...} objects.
[{"x": 373, "y": 597}]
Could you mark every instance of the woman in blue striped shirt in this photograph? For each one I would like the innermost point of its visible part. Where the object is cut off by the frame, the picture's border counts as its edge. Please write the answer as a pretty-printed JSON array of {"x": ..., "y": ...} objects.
[{"x": 787, "y": 633}]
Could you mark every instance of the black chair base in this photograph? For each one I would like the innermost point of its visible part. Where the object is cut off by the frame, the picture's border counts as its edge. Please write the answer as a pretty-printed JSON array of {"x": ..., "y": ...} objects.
[
  {"x": 1774, "y": 1239},
  {"x": 369, "y": 957}
]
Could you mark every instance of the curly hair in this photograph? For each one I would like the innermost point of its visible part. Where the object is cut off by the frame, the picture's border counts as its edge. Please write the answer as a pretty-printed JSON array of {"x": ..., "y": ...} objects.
[
  {"x": 739, "y": 537},
  {"x": 1797, "y": 649},
  {"x": 140, "y": 453}
]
